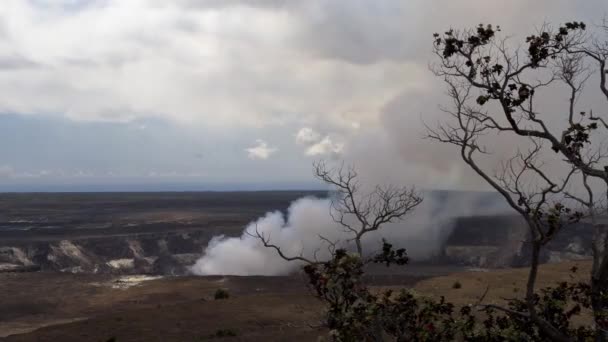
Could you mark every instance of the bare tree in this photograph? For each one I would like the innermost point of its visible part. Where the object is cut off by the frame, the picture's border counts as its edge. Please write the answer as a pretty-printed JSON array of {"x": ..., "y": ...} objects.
[
  {"x": 338, "y": 280},
  {"x": 356, "y": 212},
  {"x": 360, "y": 214},
  {"x": 520, "y": 180},
  {"x": 494, "y": 90}
]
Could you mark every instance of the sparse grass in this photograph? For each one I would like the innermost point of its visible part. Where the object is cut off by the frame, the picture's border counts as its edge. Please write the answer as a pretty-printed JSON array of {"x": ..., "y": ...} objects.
[
  {"x": 500, "y": 284},
  {"x": 221, "y": 294},
  {"x": 249, "y": 313}
]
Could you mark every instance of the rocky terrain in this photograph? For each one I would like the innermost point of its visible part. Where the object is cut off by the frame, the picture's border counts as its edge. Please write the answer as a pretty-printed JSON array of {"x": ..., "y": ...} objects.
[
  {"x": 499, "y": 241},
  {"x": 69, "y": 262},
  {"x": 158, "y": 233},
  {"x": 164, "y": 233}
]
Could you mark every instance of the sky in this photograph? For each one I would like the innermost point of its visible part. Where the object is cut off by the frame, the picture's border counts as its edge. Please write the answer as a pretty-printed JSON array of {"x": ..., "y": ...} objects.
[{"x": 232, "y": 94}]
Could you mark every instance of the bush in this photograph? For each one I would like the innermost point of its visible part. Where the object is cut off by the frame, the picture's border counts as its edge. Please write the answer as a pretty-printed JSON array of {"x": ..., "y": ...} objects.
[
  {"x": 354, "y": 313},
  {"x": 456, "y": 285},
  {"x": 225, "y": 333},
  {"x": 221, "y": 294}
]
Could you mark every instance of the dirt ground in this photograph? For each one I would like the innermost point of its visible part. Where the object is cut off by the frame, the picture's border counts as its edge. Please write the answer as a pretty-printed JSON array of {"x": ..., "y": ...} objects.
[
  {"x": 500, "y": 284},
  {"x": 69, "y": 307}
]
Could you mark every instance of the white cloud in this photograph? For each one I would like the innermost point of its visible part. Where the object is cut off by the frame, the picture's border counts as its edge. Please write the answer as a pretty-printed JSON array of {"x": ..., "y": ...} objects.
[
  {"x": 325, "y": 147},
  {"x": 306, "y": 136},
  {"x": 260, "y": 151},
  {"x": 318, "y": 145},
  {"x": 241, "y": 69},
  {"x": 123, "y": 60}
]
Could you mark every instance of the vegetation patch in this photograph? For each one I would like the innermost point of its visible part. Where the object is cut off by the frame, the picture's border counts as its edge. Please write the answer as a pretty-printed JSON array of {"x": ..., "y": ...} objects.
[{"x": 221, "y": 294}]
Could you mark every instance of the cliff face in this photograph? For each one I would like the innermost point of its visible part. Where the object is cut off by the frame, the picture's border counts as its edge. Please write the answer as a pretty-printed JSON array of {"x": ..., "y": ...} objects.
[
  {"x": 162, "y": 253},
  {"x": 164, "y": 233},
  {"x": 484, "y": 241},
  {"x": 499, "y": 241}
]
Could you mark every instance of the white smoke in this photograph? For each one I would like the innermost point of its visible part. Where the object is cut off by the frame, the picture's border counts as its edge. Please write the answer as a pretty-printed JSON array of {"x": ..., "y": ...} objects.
[
  {"x": 390, "y": 148},
  {"x": 306, "y": 219},
  {"x": 422, "y": 234}
]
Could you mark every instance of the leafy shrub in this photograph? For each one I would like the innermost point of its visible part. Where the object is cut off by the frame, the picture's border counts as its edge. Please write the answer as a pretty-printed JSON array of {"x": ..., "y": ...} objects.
[
  {"x": 221, "y": 294},
  {"x": 225, "y": 333},
  {"x": 356, "y": 314}
]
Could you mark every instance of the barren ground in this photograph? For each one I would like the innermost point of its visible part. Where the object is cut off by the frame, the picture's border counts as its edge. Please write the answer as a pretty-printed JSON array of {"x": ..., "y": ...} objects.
[{"x": 66, "y": 307}]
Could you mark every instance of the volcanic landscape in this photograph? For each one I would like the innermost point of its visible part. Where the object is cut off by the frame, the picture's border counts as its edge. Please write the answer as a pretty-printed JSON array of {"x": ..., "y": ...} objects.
[{"x": 115, "y": 266}]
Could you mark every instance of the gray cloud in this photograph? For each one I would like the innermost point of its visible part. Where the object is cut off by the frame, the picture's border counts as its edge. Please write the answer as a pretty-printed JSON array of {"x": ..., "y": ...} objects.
[{"x": 245, "y": 69}]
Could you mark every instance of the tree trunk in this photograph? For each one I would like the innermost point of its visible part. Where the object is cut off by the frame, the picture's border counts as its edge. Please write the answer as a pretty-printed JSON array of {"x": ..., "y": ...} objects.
[{"x": 545, "y": 327}]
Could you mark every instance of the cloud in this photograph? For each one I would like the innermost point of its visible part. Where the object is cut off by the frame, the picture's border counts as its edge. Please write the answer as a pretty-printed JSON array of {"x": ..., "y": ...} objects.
[
  {"x": 307, "y": 135},
  {"x": 325, "y": 147},
  {"x": 318, "y": 145},
  {"x": 305, "y": 62},
  {"x": 329, "y": 66},
  {"x": 186, "y": 62},
  {"x": 260, "y": 151},
  {"x": 6, "y": 171}
]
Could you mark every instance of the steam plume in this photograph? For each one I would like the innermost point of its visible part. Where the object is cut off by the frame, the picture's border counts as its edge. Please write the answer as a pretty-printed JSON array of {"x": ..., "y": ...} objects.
[{"x": 298, "y": 234}]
